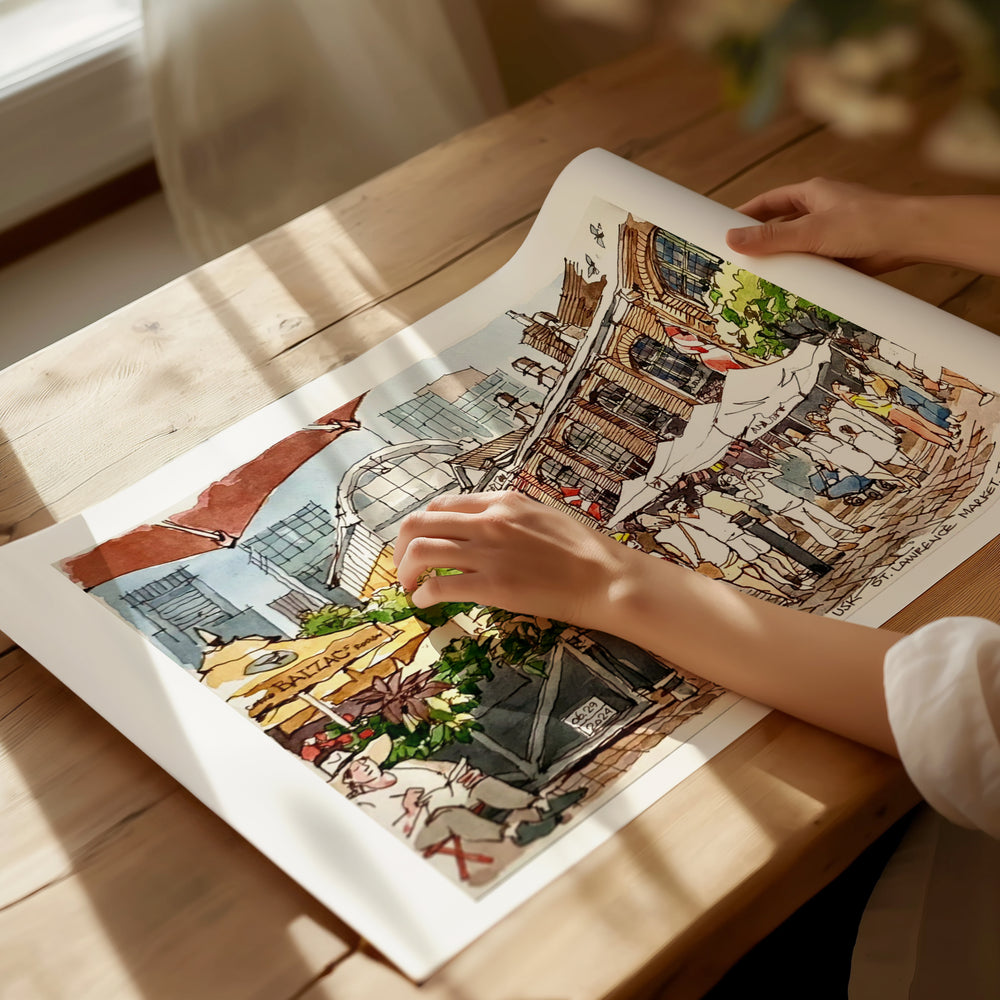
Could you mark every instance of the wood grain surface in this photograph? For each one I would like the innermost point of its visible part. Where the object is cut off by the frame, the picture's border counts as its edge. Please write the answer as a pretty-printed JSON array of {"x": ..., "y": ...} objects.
[{"x": 117, "y": 883}]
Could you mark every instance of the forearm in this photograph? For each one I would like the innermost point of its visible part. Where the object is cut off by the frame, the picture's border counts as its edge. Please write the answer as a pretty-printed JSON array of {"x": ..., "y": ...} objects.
[
  {"x": 526, "y": 557},
  {"x": 873, "y": 231},
  {"x": 957, "y": 230},
  {"x": 825, "y": 671}
]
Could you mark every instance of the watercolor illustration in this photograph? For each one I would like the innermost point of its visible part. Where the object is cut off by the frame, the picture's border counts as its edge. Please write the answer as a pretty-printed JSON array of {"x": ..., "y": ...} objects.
[{"x": 651, "y": 389}]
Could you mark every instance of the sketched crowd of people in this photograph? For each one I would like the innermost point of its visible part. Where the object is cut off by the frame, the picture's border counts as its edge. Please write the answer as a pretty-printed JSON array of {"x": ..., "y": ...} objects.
[{"x": 774, "y": 515}]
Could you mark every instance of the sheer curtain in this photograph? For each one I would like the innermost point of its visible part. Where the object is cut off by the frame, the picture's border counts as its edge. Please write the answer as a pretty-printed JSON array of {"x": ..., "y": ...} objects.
[{"x": 263, "y": 109}]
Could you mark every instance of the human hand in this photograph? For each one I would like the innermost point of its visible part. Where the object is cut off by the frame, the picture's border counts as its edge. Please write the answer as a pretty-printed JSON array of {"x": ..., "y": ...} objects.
[
  {"x": 523, "y": 556},
  {"x": 513, "y": 553},
  {"x": 869, "y": 230}
]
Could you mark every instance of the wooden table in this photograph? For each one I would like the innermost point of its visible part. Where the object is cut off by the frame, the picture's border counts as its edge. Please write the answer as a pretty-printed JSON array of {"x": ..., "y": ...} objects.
[{"x": 117, "y": 883}]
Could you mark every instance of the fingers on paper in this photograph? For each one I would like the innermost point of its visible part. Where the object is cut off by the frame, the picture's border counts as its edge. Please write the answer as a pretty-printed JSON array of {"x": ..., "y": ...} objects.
[
  {"x": 461, "y": 517},
  {"x": 446, "y": 589},
  {"x": 780, "y": 202},
  {"x": 426, "y": 554},
  {"x": 431, "y": 524},
  {"x": 776, "y": 236},
  {"x": 457, "y": 532}
]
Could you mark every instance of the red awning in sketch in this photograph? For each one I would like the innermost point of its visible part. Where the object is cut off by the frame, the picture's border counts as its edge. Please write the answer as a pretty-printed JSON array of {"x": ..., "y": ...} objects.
[{"x": 222, "y": 511}]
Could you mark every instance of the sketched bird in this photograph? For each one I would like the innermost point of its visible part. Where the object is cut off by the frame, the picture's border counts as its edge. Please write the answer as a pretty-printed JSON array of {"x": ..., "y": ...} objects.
[
  {"x": 591, "y": 266},
  {"x": 598, "y": 233}
]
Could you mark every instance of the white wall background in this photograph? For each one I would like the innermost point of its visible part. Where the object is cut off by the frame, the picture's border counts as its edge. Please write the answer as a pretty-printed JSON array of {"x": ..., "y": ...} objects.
[
  {"x": 49, "y": 124},
  {"x": 79, "y": 279}
]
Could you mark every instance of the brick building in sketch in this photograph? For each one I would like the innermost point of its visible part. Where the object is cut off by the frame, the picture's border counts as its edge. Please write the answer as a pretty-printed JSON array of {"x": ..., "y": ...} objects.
[
  {"x": 559, "y": 335},
  {"x": 633, "y": 389}
]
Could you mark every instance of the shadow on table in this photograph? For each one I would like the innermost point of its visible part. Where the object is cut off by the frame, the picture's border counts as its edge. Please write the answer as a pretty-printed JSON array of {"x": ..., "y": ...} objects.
[
  {"x": 810, "y": 953},
  {"x": 114, "y": 875},
  {"x": 21, "y": 509},
  {"x": 824, "y": 863},
  {"x": 371, "y": 288}
]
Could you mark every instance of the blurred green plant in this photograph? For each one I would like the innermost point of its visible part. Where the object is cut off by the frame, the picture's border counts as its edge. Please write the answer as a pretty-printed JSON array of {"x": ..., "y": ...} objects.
[{"x": 856, "y": 65}]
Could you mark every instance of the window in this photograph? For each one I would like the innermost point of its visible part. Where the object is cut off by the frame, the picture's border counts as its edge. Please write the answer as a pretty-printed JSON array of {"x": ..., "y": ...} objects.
[
  {"x": 387, "y": 492},
  {"x": 684, "y": 268},
  {"x": 665, "y": 362},
  {"x": 636, "y": 410},
  {"x": 73, "y": 105},
  {"x": 701, "y": 267},
  {"x": 286, "y": 540},
  {"x": 44, "y": 37},
  {"x": 560, "y": 476},
  {"x": 589, "y": 443}
]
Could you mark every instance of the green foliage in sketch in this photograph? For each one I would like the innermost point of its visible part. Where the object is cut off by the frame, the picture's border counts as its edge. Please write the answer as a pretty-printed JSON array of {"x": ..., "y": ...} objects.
[
  {"x": 421, "y": 714},
  {"x": 388, "y": 605},
  {"x": 428, "y": 710},
  {"x": 755, "y": 313},
  {"x": 520, "y": 641}
]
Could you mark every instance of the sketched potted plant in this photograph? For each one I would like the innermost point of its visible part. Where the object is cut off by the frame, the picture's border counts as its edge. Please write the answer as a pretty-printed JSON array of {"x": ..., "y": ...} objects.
[
  {"x": 429, "y": 710},
  {"x": 420, "y": 713}
]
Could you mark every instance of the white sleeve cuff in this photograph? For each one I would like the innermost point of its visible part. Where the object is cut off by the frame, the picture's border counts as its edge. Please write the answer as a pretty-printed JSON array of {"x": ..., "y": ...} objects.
[{"x": 942, "y": 689}]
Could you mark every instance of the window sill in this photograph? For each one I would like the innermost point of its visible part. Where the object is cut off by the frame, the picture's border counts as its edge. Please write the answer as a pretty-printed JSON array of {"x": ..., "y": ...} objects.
[{"x": 73, "y": 128}]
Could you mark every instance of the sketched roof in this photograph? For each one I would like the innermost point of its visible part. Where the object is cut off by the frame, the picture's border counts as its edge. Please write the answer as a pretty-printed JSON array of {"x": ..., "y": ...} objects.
[
  {"x": 484, "y": 456},
  {"x": 454, "y": 385},
  {"x": 221, "y": 513}
]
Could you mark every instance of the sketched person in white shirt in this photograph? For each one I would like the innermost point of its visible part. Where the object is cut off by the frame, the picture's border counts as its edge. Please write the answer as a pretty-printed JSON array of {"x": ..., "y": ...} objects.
[{"x": 427, "y": 802}]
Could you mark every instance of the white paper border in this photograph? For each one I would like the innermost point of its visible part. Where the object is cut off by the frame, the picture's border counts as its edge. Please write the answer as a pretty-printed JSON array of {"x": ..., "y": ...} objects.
[{"x": 382, "y": 888}]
